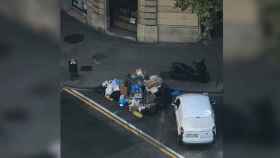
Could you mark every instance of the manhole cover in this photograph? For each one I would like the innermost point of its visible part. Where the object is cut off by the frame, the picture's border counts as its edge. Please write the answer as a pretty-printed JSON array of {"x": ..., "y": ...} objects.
[{"x": 74, "y": 38}]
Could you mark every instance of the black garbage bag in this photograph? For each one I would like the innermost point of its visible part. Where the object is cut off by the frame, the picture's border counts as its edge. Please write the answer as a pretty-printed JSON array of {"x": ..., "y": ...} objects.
[
  {"x": 163, "y": 97},
  {"x": 181, "y": 71},
  {"x": 116, "y": 95},
  {"x": 197, "y": 72},
  {"x": 201, "y": 75}
]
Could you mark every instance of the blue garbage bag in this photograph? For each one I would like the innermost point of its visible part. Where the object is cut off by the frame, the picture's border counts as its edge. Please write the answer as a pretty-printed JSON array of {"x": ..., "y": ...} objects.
[
  {"x": 116, "y": 82},
  {"x": 136, "y": 88}
]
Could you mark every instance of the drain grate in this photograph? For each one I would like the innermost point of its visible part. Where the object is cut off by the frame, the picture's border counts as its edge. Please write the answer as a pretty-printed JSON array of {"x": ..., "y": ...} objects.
[
  {"x": 98, "y": 56},
  {"x": 74, "y": 38},
  {"x": 86, "y": 68}
]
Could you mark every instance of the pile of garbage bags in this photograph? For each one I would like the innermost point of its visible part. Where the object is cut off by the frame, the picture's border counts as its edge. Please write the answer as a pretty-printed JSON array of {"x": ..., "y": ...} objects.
[{"x": 138, "y": 92}]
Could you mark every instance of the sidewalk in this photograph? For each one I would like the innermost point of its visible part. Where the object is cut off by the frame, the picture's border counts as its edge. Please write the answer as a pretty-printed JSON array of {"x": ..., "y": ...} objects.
[{"x": 112, "y": 57}]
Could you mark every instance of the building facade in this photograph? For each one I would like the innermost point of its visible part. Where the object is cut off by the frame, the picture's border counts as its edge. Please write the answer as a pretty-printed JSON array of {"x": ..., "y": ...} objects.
[{"x": 142, "y": 20}]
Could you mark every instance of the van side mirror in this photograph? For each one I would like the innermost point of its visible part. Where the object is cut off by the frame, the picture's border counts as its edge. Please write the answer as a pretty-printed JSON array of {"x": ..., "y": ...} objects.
[
  {"x": 174, "y": 105},
  {"x": 212, "y": 100}
]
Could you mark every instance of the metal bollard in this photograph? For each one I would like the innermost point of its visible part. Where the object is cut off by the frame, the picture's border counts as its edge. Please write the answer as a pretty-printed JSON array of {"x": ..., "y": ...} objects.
[{"x": 73, "y": 68}]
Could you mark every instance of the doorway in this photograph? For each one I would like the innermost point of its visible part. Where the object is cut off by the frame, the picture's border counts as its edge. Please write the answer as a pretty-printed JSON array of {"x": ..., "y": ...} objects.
[{"x": 122, "y": 17}]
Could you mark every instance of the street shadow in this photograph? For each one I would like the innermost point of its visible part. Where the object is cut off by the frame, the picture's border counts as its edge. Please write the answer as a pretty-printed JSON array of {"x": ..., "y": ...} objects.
[
  {"x": 260, "y": 127},
  {"x": 266, "y": 118},
  {"x": 74, "y": 38},
  {"x": 42, "y": 89},
  {"x": 5, "y": 50},
  {"x": 16, "y": 114}
]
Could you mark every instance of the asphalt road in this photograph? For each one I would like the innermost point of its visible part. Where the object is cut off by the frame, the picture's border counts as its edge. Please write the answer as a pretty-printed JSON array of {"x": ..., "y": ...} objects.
[
  {"x": 87, "y": 134},
  {"x": 160, "y": 126}
]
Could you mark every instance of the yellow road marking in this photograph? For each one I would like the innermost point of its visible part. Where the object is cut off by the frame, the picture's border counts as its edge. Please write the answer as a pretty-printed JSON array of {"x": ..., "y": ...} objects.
[{"x": 164, "y": 149}]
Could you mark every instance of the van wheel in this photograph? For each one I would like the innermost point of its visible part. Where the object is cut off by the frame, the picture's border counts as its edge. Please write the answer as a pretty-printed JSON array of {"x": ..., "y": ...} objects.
[
  {"x": 153, "y": 109},
  {"x": 214, "y": 139},
  {"x": 179, "y": 139}
]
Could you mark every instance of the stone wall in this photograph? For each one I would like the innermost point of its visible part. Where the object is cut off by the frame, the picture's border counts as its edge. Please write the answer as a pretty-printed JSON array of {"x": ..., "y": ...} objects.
[
  {"x": 147, "y": 29},
  {"x": 158, "y": 21},
  {"x": 175, "y": 25}
]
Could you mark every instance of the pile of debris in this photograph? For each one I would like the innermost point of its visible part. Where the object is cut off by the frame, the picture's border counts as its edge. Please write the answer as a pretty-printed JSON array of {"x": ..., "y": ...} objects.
[{"x": 138, "y": 92}]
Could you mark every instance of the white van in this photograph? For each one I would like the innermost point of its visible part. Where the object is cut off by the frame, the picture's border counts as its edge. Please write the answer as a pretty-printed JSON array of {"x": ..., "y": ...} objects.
[{"x": 195, "y": 119}]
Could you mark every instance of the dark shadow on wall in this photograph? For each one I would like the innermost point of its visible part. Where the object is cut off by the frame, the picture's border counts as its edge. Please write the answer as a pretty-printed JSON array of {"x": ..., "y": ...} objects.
[
  {"x": 267, "y": 121},
  {"x": 251, "y": 120},
  {"x": 41, "y": 16},
  {"x": 30, "y": 77},
  {"x": 259, "y": 127},
  {"x": 252, "y": 100},
  {"x": 252, "y": 89},
  {"x": 5, "y": 49},
  {"x": 20, "y": 29}
]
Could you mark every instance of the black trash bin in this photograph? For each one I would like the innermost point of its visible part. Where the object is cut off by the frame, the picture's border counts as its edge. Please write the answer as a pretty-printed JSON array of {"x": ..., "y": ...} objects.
[{"x": 73, "y": 68}]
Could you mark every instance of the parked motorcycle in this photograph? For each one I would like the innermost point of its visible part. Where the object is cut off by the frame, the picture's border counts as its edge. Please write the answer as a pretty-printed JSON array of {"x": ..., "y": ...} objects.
[{"x": 196, "y": 72}]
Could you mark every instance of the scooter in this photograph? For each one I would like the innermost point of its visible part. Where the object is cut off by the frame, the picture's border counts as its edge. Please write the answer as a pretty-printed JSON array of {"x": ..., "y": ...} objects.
[{"x": 196, "y": 72}]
